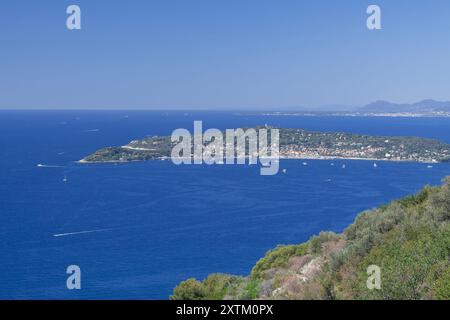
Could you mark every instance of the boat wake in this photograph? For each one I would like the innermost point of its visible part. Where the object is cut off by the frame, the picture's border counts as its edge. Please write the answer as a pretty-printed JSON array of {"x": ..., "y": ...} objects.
[
  {"x": 40, "y": 165},
  {"x": 84, "y": 232}
]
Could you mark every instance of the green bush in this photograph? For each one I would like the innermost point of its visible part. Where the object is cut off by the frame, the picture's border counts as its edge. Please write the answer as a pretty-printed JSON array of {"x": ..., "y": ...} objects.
[
  {"x": 441, "y": 287},
  {"x": 215, "y": 287},
  {"x": 405, "y": 264},
  {"x": 439, "y": 204},
  {"x": 277, "y": 258},
  {"x": 251, "y": 290},
  {"x": 190, "y": 289},
  {"x": 316, "y": 242}
]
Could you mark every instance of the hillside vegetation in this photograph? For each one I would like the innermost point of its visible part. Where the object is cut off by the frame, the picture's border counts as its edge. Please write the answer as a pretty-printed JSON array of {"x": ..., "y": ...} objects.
[{"x": 409, "y": 240}]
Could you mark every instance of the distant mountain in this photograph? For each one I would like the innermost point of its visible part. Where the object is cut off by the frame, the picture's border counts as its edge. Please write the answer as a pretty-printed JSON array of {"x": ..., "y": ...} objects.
[{"x": 424, "y": 106}]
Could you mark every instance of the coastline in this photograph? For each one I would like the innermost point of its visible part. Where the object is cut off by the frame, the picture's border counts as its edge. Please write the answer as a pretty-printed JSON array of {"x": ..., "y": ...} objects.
[
  {"x": 367, "y": 115},
  {"x": 83, "y": 161}
]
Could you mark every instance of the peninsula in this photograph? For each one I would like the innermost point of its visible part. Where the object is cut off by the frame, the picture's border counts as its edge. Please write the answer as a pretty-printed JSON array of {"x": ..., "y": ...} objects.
[{"x": 300, "y": 144}]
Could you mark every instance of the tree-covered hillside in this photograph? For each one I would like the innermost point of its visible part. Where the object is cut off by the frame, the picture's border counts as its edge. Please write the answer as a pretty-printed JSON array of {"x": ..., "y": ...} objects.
[{"x": 409, "y": 240}]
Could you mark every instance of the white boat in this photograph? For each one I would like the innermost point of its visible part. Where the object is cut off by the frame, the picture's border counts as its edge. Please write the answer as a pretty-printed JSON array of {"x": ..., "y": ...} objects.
[
  {"x": 343, "y": 166},
  {"x": 284, "y": 170},
  {"x": 375, "y": 165},
  {"x": 305, "y": 163},
  {"x": 65, "y": 179}
]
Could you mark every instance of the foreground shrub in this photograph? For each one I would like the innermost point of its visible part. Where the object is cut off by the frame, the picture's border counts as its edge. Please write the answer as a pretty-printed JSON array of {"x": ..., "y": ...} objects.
[
  {"x": 277, "y": 258},
  {"x": 215, "y": 287}
]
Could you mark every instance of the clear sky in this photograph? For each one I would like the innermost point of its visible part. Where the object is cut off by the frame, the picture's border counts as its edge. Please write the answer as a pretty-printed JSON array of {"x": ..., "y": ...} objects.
[{"x": 222, "y": 53}]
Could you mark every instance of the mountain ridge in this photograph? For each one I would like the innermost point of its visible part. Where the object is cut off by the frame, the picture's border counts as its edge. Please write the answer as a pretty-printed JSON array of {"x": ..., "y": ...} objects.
[{"x": 426, "y": 105}]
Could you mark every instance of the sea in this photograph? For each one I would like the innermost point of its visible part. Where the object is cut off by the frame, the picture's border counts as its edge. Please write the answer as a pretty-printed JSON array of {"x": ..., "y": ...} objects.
[{"x": 136, "y": 230}]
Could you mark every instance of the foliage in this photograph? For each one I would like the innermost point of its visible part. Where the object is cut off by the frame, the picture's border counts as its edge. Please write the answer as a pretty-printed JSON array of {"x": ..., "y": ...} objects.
[
  {"x": 190, "y": 289},
  {"x": 214, "y": 287},
  {"x": 441, "y": 286},
  {"x": 251, "y": 290},
  {"x": 316, "y": 242},
  {"x": 276, "y": 258},
  {"x": 408, "y": 239}
]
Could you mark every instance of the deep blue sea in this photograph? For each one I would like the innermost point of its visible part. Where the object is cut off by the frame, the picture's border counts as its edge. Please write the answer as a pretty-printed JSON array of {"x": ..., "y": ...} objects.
[{"x": 156, "y": 223}]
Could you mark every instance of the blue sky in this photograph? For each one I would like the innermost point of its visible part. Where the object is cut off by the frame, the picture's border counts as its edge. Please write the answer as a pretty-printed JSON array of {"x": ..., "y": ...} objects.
[{"x": 218, "y": 54}]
